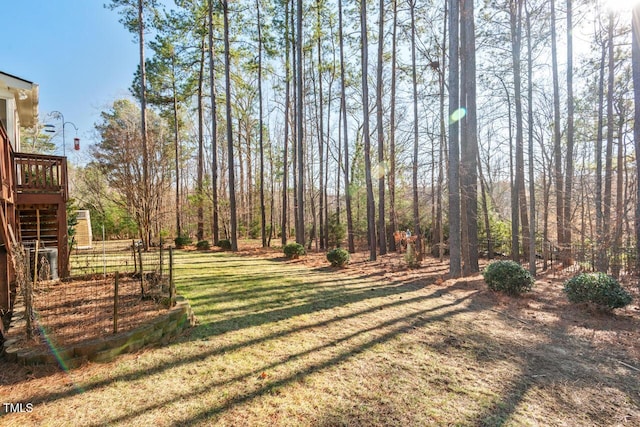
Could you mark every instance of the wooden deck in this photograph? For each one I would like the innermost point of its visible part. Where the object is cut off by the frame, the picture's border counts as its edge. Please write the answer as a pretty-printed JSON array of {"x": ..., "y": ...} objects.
[
  {"x": 38, "y": 176},
  {"x": 30, "y": 183}
]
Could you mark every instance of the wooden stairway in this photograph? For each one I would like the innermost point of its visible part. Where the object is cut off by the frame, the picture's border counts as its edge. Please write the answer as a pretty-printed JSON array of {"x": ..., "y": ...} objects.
[{"x": 38, "y": 223}]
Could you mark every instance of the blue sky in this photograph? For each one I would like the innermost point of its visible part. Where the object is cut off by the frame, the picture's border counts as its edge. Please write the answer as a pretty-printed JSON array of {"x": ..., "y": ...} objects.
[{"x": 76, "y": 51}]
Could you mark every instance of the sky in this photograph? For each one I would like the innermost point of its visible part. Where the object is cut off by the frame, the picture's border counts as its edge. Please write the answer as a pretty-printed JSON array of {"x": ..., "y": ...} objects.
[
  {"x": 81, "y": 57},
  {"x": 78, "y": 53}
]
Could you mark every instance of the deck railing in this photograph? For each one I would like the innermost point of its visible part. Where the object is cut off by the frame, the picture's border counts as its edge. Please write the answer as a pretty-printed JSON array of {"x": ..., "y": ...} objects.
[
  {"x": 39, "y": 173},
  {"x": 6, "y": 169}
]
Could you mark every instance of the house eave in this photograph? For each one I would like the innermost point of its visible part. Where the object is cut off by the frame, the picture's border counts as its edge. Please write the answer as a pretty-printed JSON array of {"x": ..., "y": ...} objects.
[{"x": 26, "y": 96}]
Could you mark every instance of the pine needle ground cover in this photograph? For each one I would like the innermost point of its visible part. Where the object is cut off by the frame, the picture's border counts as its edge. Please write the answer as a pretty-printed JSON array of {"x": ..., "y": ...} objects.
[{"x": 296, "y": 342}]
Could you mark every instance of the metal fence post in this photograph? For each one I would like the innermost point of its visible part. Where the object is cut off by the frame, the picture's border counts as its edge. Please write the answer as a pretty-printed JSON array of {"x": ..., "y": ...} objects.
[
  {"x": 141, "y": 272},
  {"x": 115, "y": 303},
  {"x": 172, "y": 289}
]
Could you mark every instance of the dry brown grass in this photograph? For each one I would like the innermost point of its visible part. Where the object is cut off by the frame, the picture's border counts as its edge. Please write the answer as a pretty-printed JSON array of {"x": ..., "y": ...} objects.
[{"x": 300, "y": 343}]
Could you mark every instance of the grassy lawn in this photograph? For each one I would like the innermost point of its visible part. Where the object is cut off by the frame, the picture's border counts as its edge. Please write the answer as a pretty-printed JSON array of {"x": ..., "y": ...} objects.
[{"x": 285, "y": 343}]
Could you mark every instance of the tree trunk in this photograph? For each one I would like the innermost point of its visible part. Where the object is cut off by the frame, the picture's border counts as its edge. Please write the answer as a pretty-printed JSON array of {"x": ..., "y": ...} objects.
[
  {"x": 566, "y": 256},
  {"x": 243, "y": 194},
  {"x": 232, "y": 188},
  {"x": 371, "y": 208},
  {"x": 455, "y": 267},
  {"x": 516, "y": 42},
  {"x": 326, "y": 171},
  {"x": 620, "y": 202},
  {"x": 176, "y": 141},
  {"x": 300, "y": 229},
  {"x": 532, "y": 188},
  {"x": 485, "y": 210},
  {"x": 343, "y": 108},
  {"x": 285, "y": 154},
  {"x": 215, "y": 226},
  {"x": 296, "y": 118},
  {"x": 469, "y": 140},
  {"x": 601, "y": 262},
  {"x": 272, "y": 198},
  {"x": 636, "y": 127},
  {"x": 250, "y": 174},
  {"x": 263, "y": 214},
  {"x": 557, "y": 149},
  {"x": 321, "y": 129},
  {"x": 414, "y": 82},
  {"x": 382, "y": 235},
  {"x": 608, "y": 173},
  {"x": 392, "y": 131},
  {"x": 515, "y": 220},
  {"x": 146, "y": 208},
  {"x": 443, "y": 139},
  {"x": 200, "y": 176}
]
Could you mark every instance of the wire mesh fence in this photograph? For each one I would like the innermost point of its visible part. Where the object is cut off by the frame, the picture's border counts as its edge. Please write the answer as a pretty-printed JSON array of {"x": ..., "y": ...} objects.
[
  {"x": 113, "y": 288},
  {"x": 123, "y": 256},
  {"x": 70, "y": 312},
  {"x": 619, "y": 262}
]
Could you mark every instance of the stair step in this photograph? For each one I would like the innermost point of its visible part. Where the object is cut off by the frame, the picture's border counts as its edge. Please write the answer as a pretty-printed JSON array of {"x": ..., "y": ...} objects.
[{"x": 45, "y": 222}]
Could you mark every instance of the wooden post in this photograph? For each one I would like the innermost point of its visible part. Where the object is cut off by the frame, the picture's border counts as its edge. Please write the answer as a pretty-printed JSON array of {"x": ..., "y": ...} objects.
[
  {"x": 28, "y": 293},
  {"x": 135, "y": 262},
  {"x": 141, "y": 272},
  {"x": 37, "y": 225},
  {"x": 35, "y": 265},
  {"x": 104, "y": 254},
  {"x": 161, "y": 259},
  {"x": 172, "y": 290},
  {"x": 115, "y": 303},
  {"x": 64, "y": 250}
]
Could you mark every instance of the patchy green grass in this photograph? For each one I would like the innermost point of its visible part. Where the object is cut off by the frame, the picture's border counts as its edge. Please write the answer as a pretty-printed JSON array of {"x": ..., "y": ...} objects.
[{"x": 285, "y": 343}]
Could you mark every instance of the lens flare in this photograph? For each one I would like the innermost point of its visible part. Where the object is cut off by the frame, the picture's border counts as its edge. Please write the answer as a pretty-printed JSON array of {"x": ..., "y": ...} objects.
[
  {"x": 56, "y": 353},
  {"x": 457, "y": 115}
]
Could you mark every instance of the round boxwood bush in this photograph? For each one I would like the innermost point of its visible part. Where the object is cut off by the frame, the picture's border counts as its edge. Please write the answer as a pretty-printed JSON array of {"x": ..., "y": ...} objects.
[
  {"x": 294, "y": 250},
  {"x": 508, "y": 277},
  {"x": 224, "y": 244},
  {"x": 597, "y": 288},
  {"x": 182, "y": 241},
  {"x": 203, "y": 245},
  {"x": 338, "y": 257}
]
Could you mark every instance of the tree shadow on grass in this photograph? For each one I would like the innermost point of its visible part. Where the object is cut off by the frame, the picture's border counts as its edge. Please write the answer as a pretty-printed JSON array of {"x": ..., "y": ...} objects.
[
  {"x": 207, "y": 330},
  {"x": 555, "y": 359},
  {"x": 398, "y": 326},
  {"x": 558, "y": 360}
]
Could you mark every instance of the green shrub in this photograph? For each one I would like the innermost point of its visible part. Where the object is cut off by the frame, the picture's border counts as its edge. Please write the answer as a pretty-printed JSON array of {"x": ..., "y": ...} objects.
[
  {"x": 508, "y": 277},
  {"x": 224, "y": 244},
  {"x": 182, "y": 241},
  {"x": 203, "y": 245},
  {"x": 597, "y": 288},
  {"x": 338, "y": 257},
  {"x": 294, "y": 250}
]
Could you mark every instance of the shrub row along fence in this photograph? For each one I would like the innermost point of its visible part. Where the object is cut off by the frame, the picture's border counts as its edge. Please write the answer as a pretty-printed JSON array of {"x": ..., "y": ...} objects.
[
  {"x": 113, "y": 288},
  {"x": 619, "y": 262}
]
